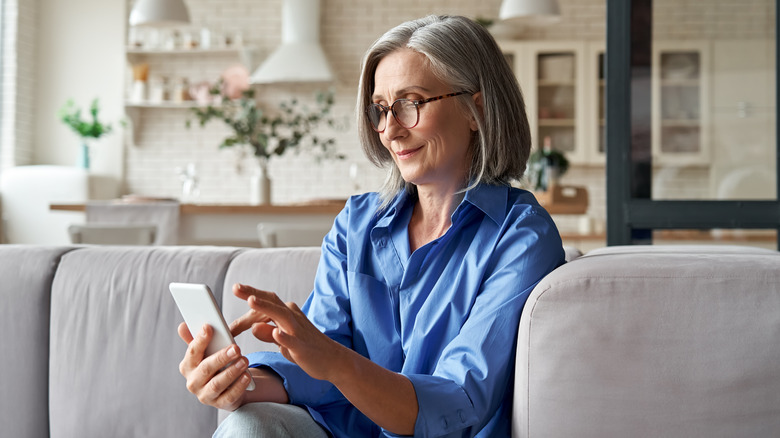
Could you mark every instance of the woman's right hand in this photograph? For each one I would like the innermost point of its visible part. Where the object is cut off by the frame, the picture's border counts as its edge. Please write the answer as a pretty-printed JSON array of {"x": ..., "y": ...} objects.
[{"x": 225, "y": 389}]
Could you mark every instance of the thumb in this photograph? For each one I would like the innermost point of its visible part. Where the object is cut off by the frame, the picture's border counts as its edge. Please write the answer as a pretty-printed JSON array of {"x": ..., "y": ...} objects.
[{"x": 264, "y": 332}]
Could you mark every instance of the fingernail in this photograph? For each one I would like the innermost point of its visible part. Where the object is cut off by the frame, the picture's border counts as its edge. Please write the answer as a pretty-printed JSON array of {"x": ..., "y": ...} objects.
[
  {"x": 240, "y": 364},
  {"x": 232, "y": 352}
]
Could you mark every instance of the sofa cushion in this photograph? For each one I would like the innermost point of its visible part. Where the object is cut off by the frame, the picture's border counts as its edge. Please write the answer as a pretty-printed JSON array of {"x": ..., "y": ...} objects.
[
  {"x": 652, "y": 341},
  {"x": 115, "y": 353},
  {"x": 27, "y": 273}
]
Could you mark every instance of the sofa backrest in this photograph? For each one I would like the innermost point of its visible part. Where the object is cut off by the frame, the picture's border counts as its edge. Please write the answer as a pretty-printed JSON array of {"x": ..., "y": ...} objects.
[
  {"x": 114, "y": 348},
  {"x": 27, "y": 273},
  {"x": 652, "y": 341}
]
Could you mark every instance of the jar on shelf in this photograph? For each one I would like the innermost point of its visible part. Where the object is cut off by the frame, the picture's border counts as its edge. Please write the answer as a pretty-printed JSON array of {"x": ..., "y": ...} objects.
[
  {"x": 190, "y": 39},
  {"x": 159, "y": 90},
  {"x": 181, "y": 90}
]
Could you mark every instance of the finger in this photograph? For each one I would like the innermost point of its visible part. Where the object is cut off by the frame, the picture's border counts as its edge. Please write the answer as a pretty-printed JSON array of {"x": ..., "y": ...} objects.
[
  {"x": 235, "y": 380},
  {"x": 264, "y": 332},
  {"x": 184, "y": 333},
  {"x": 273, "y": 308},
  {"x": 247, "y": 292},
  {"x": 286, "y": 353},
  {"x": 245, "y": 321},
  {"x": 195, "y": 350},
  {"x": 281, "y": 338},
  {"x": 203, "y": 380},
  {"x": 244, "y": 291},
  {"x": 217, "y": 383},
  {"x": 197, "y": 347}
]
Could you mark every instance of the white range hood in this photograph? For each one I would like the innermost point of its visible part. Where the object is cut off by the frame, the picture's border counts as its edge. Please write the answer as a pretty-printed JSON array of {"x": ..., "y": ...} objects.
[{"x": 300, "y": 58}]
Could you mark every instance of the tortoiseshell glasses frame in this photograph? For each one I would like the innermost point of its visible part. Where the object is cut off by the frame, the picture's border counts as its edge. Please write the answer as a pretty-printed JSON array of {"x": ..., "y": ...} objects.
[{"x": 405, "y": 111}]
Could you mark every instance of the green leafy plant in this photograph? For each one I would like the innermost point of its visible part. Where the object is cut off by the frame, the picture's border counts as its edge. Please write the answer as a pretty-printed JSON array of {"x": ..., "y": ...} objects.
[
  {"x": 91, "y": 127},
  {"x": 545, "y": 166},
  {"x": 484, "y": 22},
  {"x": 291, "y": 128}
]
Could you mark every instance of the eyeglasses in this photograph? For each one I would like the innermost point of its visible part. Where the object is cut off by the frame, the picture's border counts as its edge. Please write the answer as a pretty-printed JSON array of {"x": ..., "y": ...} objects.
[{"x": 405, "y": 111}]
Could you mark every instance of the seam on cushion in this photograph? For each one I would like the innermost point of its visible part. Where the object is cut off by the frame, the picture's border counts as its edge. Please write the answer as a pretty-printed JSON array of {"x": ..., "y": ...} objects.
[
  {"x": 648, "y": 277},
  {"x": 528, "y": 361},
  {"x": 223, "y": 274}
]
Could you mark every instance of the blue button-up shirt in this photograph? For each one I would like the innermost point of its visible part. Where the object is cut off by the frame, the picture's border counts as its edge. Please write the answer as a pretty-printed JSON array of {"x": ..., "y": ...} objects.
[{"x": 445, "y": 316}]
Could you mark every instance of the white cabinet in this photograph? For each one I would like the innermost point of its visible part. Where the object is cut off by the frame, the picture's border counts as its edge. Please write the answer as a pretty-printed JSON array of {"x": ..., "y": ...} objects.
[
  {"x": 564, "y": 86},
  {"x": 680, "y": 103},
  {"x": 561, "y": 86}
]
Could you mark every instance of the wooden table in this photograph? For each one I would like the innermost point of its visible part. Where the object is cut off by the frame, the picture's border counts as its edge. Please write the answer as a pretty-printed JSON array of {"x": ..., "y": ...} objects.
[{"x": 235, "y": 224}]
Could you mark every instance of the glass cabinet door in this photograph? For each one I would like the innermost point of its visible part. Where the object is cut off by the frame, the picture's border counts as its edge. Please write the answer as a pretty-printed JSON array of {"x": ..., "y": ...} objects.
[
  {"x": 551, "y": 76},
  {"x": 680, "y": 107},
  {"x": 558, "y": 98},
  {"x": 597, "y": 122}
]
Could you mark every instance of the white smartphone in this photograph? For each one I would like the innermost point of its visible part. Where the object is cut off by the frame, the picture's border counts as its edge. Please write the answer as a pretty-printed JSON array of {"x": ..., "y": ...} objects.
[{"x": 197, "y": 305}]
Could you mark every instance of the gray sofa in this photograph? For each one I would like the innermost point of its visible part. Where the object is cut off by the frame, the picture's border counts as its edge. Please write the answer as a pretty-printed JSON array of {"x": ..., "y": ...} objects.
[{"x": 624, "y": 341}]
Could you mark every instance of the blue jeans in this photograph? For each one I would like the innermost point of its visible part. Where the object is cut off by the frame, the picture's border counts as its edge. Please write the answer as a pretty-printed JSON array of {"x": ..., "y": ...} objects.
[{"x": 269, "y": 420}]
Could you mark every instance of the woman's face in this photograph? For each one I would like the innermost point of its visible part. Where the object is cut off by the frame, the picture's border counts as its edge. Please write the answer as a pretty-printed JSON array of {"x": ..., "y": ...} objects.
[{"x": 436, "y": 152}]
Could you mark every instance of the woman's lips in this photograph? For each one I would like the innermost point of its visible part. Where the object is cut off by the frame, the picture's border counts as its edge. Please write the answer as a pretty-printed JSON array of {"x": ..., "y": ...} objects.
[{"x": 407, "y": 153}]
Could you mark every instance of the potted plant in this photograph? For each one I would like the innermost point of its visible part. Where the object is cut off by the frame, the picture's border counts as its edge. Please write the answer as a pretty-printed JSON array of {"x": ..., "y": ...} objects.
[
  {"x": 87, "y": 129},
  {"x": 291, "y": 127},
  {"x": 546, "y": 166}
]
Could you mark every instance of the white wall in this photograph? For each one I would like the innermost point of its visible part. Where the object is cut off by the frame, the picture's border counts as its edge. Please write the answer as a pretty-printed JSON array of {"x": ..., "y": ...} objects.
[{"x": 80, "y": 55}]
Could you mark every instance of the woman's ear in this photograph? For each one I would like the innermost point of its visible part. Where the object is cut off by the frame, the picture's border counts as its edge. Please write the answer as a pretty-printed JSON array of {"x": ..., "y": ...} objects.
[{"x": 480, "y": 107}]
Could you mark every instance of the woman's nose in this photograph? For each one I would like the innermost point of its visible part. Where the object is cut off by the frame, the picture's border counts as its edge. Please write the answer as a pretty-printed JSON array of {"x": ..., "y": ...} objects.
[{"x": 392, "y": 128}]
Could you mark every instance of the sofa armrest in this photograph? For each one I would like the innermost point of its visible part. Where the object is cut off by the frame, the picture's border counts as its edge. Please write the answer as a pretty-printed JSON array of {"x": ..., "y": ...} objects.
[{"x": 652, "y": 341}]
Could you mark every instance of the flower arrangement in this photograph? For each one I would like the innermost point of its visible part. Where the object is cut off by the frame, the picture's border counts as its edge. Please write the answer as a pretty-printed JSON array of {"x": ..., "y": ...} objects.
[
  {"x": 85, "y": 128},
  {"x": 292, "y": 127}
]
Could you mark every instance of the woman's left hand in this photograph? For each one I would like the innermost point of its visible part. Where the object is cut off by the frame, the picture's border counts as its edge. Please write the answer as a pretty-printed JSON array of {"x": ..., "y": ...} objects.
[{"x": 298, "y": 339}]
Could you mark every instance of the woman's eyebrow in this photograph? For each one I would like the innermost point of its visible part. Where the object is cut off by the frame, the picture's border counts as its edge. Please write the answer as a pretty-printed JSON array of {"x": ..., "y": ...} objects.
[{"x": 404, "y": 91}]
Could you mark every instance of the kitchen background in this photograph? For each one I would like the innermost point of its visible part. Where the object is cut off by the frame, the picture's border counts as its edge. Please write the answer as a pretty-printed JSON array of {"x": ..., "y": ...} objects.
[{"x": 78, "y": 49}]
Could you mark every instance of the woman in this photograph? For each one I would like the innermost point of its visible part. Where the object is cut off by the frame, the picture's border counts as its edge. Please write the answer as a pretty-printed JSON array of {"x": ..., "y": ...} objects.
[{"x": 411, "y": 325}]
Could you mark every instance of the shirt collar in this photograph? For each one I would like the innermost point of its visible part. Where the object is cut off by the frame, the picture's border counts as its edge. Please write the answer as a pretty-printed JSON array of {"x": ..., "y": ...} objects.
[
  {"x": 491, "y": 199},
  {"x": 387, "y": 215}
]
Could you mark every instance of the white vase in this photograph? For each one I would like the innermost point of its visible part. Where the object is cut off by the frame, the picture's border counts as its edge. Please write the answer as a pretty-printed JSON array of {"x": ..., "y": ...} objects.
[{"x": 260, "y": 184}]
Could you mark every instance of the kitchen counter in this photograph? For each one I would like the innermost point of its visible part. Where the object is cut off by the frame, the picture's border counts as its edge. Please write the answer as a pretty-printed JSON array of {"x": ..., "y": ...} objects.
[
  {"x": 303, "y": 208},
  {"x": 235, "y": 224}
]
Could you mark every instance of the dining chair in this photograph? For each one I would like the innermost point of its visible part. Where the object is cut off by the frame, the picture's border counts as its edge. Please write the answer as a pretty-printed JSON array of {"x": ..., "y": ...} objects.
[
  {"x": 274, "y": 235},
  {"x": 113, "y": 234}
]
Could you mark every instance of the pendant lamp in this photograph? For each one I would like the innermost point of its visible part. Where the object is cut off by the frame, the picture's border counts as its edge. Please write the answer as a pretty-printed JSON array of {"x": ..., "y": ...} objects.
[
  {"x": 159, "y": 13},
  {"x": 539, "y": 10}
]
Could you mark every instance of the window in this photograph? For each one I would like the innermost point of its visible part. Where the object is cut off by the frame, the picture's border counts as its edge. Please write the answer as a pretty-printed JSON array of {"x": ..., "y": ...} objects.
[{"x": 692, "y": 150}]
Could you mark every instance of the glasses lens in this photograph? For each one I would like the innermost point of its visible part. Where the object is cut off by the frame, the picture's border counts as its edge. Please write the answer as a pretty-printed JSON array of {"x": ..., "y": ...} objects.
[
  {"x": 377, "y": 116},
  {"x": 406, "y": 113}
]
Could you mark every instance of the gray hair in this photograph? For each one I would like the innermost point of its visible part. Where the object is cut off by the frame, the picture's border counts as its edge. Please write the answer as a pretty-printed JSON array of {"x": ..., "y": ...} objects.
[{"x": 462, "y": 54}]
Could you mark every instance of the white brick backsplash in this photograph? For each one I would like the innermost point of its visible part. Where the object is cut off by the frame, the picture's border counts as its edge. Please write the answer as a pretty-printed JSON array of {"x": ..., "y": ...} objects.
[
  {"x": 348, "y": 28},
  {"x": 163, "y": 143}
]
